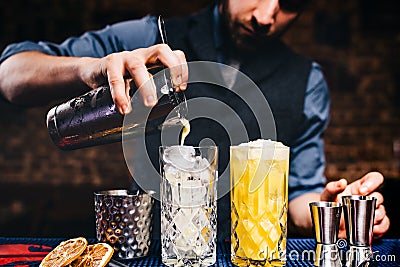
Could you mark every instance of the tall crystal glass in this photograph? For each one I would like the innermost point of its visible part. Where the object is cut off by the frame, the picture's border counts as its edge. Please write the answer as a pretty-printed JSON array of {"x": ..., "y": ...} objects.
[
  {"x": 188, "y": 205},
  {"x": 259, "y": 202}
]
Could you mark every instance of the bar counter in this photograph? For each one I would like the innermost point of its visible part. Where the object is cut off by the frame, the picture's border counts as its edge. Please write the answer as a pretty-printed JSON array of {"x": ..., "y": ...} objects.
[{"x": 30, "y": 251}]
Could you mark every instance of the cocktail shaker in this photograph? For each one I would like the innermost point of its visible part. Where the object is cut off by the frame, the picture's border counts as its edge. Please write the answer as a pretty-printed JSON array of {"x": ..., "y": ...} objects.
[{"x": 92, "y": 119}]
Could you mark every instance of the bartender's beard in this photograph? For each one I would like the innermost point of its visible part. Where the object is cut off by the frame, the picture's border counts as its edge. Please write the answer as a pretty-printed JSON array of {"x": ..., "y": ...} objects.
[{"x": 248, "y": 43}]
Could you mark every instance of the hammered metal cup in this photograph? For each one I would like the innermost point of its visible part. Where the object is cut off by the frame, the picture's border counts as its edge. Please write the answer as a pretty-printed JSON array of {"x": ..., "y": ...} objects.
[{"x": 124, "y": 220}]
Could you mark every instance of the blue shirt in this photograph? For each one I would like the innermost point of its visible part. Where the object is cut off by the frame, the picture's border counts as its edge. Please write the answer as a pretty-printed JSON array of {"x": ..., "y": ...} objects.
[{"x": 307, "y": 160}]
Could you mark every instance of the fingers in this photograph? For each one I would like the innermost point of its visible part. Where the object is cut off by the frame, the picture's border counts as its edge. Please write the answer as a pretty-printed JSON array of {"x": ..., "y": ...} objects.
[
  {"x": 134, "y": 62},
  {"x": 369, "y": 183},
  {"x": 381, "y": 220},
  {"x": 115, "y": 72},
  {"x": 136, "y": 65},
  {"x": 170, "y": 59},
  {"x": 332, "y": 190},
  {"x": 185, "y": 72},
  {"x": 128, "y": 96},
  {"x": 142, "y": 80},
  {"x": 342, "y": 228},
  {"x": 364, "y": 186},
  {"x": 380, "y": 229},
  {"x": 380, "y": 214},
  {"x": 379, "y": 198}
]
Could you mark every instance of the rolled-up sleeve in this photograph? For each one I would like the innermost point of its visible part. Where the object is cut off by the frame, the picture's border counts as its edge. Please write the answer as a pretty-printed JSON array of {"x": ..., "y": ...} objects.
[
  {"x": 307, "y": 164},
  {"x": 118, "y": 37}
]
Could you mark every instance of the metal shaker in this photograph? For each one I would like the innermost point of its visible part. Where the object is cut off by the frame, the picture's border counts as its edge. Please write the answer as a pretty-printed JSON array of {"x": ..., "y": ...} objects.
[
  {"x": 326, "y": 219},
  {"x": 92, "y": 119}
]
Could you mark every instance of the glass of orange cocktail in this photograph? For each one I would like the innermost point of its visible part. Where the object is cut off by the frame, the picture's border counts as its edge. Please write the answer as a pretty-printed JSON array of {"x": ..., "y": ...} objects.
[{"x": 259, "y": 202}]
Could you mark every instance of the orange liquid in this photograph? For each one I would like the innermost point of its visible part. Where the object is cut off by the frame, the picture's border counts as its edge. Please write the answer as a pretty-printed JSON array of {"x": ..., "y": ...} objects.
[{"x": 259, "y": 211}]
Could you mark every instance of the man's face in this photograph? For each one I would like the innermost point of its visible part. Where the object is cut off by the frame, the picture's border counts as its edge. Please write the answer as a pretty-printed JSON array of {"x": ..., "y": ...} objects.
[{"x": 253, "y": 22}]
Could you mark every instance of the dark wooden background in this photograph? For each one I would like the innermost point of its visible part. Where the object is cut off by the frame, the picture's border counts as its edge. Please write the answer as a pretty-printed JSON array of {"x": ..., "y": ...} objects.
[{"x": 48, "y": 192}]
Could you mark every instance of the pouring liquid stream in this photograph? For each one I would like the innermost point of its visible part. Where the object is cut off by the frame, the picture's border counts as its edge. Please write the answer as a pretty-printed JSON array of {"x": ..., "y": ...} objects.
[{"x": 185, "y": 130}]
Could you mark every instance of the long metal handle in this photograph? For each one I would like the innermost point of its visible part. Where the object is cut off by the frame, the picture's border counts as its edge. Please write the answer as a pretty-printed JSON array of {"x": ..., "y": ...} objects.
[
  {"x": 161, "y": 29},
  {"x": 172, "y": 93}
]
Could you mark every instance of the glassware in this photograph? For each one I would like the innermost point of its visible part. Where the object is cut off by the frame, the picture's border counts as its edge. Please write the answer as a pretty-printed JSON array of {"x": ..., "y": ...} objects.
[
  {"x": 259, "y": 202},
  {"x": 188, "y": 205}
]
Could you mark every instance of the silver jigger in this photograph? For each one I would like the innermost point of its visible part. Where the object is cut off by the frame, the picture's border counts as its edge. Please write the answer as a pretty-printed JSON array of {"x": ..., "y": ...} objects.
[
  {"x": 359, "y": 214},
  {"x": 326, "y": 219}
]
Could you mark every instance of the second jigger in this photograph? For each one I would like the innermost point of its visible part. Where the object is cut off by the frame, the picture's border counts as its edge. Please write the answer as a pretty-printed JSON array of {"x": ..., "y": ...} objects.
[
  {"x": 359, "y": 214},
  {"x": 326, "y": 219}
]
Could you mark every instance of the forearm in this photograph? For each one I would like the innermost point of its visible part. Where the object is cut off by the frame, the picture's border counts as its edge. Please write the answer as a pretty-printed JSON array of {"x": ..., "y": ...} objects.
[
  {"x": 34, "y": 78},
  {"x": 299, "y": 214}
]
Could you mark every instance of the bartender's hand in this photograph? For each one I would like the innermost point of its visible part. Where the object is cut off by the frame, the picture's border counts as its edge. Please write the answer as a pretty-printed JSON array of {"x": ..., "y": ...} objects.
[
  {"x": 114, "y": 67},
  {"x": 364, "y": 186}
]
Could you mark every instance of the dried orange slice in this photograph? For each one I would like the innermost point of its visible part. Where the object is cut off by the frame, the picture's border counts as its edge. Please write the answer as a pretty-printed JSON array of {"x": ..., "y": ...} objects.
[
  {"x": 65, "y": 253},
  {"x": 97, "y": 255}
]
